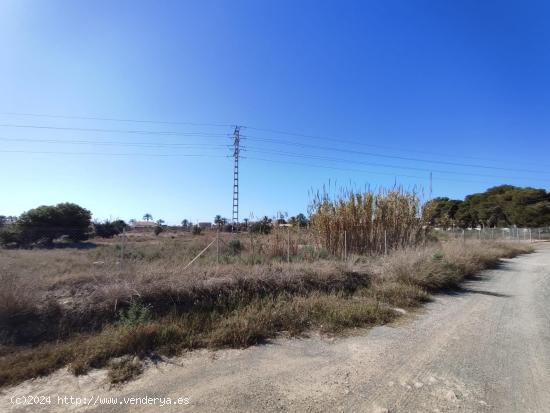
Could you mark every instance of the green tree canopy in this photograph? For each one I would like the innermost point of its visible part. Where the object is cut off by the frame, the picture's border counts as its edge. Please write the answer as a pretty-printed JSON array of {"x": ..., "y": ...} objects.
[
  {"x": 47, "y": 223},
  {"x": 499, "y": 206}
]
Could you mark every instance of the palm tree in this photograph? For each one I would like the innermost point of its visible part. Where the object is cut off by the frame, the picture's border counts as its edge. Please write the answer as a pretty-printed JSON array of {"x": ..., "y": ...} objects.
[
  {"x": 218, "y": 220},
  {"x": 185, "y": 223},
  {"x": 148, "y": 217},
  {"x": 160, "y": 222}
]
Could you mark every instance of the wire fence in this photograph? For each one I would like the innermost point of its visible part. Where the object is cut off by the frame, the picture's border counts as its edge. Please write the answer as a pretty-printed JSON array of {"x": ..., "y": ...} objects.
[
  {"x": 299, "y": 245},
  {"x": 502, "y": 234},
  {"x": 183, "y": 249}
]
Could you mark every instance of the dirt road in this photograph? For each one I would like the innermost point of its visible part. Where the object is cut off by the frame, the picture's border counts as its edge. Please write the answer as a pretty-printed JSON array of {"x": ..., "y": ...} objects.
[{"x": 485, "y": 348}]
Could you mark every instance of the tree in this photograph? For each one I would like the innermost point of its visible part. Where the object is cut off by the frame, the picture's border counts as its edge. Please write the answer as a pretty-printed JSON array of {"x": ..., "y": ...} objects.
[
  {"x": 47, "y": 223},
  {"x": 261, "y": 227},
  {"x": 160, "y": 222},
  {"x": 499, "y": 206},
  {"x": 301, "y": 220},
  {"x": 148, "y": 217},
  {"x": 109, "y": 229},
  {"x": 185, "y": 223},
  {"x": 441, "y": 212}
]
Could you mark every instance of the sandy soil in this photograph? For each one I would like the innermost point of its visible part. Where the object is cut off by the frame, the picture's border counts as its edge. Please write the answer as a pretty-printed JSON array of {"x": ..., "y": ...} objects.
[{"x": 485, "y": 348}]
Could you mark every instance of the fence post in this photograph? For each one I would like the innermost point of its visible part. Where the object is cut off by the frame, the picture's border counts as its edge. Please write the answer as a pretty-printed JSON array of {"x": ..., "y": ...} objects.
[
  {"x": 252, "y": 246},
  {"x": 122, "y": 246},
  {"x": 218, "y": 246},
  {"x": 288, "y": 245}
]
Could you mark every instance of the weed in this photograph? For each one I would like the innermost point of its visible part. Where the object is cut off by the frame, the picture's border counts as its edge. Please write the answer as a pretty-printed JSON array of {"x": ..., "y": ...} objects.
[
  {"x": 121, "y": 371},
  {"x": 136, "y": 314}
]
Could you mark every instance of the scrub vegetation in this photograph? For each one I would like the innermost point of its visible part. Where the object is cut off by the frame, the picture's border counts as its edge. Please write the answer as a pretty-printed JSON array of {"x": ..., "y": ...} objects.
[{"x": 116, "y": 303}]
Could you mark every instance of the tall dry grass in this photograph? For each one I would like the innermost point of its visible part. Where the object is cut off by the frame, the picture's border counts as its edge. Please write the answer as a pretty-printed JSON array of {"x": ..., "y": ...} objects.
[{"x": 367, "y": 222}]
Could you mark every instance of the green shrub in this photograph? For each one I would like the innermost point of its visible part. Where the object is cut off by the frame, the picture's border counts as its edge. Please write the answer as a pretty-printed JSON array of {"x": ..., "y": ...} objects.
[
  {"x": 109, "y": 229},
  {"x": 136, "y": 314},
  {"x": 9, "y": 236}
]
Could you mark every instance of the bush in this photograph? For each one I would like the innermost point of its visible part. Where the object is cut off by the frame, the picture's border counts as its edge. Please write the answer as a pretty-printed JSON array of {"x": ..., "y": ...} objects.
[
  {"x": 229, "y": 228},
  {"x": 260, "y": 227},
  {"x": 9, "y": 237},
  {"x": 47, "y": 223},
  {"x": 197, "y": 230},
  {"x": 136, "y": 314},
  {"x": 109, "y": 229},
  {"x": 158, "y": 229}
]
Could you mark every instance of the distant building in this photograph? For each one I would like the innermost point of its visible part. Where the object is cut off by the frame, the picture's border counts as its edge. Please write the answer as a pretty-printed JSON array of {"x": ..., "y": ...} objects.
[
  {"x": 205, "y": 225},
  {"x": 143, "y": 225}
]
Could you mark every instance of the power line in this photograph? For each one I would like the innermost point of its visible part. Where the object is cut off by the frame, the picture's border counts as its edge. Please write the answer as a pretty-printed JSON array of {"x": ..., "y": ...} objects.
[
  {"x": 142, "y": 132},
  {"x": 115, "y": 143},
  {"x": 326, "y": 158},
  {"x": 114, "y": 154},
  {"x": 273, "y": 131},
  {"x": 358, "y": 143},
  {"x": 277, "y": 141},
  {"x": 274, "y": 140},
  {"x": 109, "y": 119},
  {"x": 251, "y": 149},
  {"x": 403, "y": 158},
  {"x": 359, "y": 170},
  {"x": 201, "y": 134},
  {"x": 175, "y": 155}
]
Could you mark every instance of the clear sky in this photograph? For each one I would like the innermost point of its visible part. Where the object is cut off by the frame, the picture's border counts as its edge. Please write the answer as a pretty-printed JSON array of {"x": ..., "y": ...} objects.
[{"x": 386, "y": 91}]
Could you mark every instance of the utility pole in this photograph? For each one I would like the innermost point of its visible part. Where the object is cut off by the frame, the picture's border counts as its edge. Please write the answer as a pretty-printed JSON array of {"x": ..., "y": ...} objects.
[{"x": 236, "y": 152}]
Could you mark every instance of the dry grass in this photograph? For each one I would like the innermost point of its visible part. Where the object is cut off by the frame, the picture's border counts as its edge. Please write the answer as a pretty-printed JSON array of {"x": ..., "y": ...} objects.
[
  {"x": 121, "y": 371},
  {"x": 234, "y": 305}
]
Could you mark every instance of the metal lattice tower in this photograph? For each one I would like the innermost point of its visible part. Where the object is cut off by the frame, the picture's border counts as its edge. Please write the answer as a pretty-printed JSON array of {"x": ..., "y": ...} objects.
[{"x": 236, "y": 152}]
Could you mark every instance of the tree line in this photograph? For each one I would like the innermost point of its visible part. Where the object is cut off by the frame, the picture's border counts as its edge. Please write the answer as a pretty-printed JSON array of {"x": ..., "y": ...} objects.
[
  {"x": 500, "y": 206},
  {"x": 42, "y": 226}
]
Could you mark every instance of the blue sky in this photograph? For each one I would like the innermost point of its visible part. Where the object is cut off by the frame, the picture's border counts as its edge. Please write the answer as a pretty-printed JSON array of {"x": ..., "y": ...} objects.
[{"x": 374, "y": 92}]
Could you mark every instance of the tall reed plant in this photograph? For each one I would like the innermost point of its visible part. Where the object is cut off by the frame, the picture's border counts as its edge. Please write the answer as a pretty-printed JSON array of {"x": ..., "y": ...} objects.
[{"x": 367, "y": 222}]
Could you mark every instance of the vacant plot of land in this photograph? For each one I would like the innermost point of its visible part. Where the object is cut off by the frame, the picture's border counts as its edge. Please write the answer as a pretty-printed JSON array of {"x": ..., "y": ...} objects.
[
  {"x": 83, "y": 308},
  {"x": 480, "y": 348}
]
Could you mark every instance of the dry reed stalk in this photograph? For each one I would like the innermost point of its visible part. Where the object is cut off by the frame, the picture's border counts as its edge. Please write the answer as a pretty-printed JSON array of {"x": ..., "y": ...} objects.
[{"x": 368, "y": 219}]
